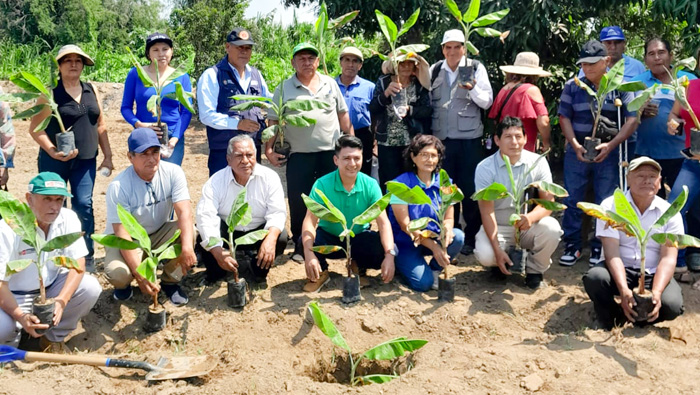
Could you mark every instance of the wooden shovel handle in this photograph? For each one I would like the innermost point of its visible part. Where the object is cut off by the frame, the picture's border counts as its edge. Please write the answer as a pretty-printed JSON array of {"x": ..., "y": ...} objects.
[{"x": 88, "y": 360}]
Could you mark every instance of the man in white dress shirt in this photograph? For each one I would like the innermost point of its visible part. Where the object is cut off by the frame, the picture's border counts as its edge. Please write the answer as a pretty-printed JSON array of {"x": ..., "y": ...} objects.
[{"x": 264, "y": 194}]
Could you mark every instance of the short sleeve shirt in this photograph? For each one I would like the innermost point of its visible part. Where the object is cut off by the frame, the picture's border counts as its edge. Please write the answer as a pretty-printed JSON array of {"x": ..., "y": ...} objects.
[
  {"x": 13, "y": 248},
  {"x": 364, "y": 193},
  {"x": 493, "y": 169},
  {"x": 149, "y": 202},
  {"x": 357, "y": 96},
  {"x": 629, "y": 248},
  {"x": 322, "y": 135}
]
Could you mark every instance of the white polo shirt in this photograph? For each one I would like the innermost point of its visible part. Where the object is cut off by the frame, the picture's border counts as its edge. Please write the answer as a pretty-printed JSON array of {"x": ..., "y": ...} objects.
[
  {"x": 264, "y": 194},
  {"x": 630, "y": 252},
  {"x": 13, "y": 248}
]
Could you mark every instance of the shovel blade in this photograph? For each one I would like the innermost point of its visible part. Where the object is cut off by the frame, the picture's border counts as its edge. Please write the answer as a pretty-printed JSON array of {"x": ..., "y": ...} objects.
[
  {"x": 446, "y": 289},
  {"x": 351, "y": 290},
  {"x": 182, "y": 367}
]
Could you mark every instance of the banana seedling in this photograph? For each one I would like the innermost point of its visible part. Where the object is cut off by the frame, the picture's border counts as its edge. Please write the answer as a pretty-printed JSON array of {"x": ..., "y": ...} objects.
[{"x": 324, "y": 24}]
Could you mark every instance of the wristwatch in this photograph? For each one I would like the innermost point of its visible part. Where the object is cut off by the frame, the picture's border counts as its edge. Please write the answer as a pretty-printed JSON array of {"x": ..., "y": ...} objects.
[{"x": 392, "y": 252}]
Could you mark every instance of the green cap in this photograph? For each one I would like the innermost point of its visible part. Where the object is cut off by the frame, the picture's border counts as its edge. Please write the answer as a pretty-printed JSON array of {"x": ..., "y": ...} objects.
[
  {"x": 305, "y": 47},
  {"x": 48, "y": 183}
]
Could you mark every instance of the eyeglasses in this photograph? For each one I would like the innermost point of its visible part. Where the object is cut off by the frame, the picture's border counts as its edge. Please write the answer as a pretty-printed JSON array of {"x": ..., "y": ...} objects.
[{"x": 428, "y": 155}]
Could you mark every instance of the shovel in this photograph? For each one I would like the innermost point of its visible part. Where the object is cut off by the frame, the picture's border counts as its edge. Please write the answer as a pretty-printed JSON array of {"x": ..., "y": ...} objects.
[{"x": 166, "y": 369}]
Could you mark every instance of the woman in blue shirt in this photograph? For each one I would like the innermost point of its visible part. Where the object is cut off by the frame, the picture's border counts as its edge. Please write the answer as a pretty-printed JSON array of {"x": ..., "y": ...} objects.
[
  {"x": 422, "y": 159},
  {"x": 159, "y": 50}
]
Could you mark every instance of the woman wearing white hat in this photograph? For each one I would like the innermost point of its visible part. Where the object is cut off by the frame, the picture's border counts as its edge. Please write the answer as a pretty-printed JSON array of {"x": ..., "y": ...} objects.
[{"x": 521, "y": 98}]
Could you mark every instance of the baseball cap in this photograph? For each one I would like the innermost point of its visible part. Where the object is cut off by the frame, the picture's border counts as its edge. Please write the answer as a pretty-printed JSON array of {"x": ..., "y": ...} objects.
[
  {"x": 72, "y": 48},
  {"x": 641, "y": 161},
  {"x": 142, "y": 139},
  {"x": 611, "y": 33},
  {"x": 591, "y": 52},
  {"x": 352, "y": 51},
  {"x": 239, "y": 36},
  {"x": 48, "y": 183},
  {"x": 452, "y": 35},
  {"x": 305, "y": 47},
  {"x": 157, "y": 38}
]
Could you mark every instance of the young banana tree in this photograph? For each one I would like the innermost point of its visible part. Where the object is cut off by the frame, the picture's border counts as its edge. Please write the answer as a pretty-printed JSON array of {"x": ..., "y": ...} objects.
[
  {"x": 386, "y": 351},
  {"x": 624, "y": 218},
  {"x": 516, "y": 192},
  {"x": 327, "y": 211},
  {"x": 154, "y": 102},
  {"x": 392, "y": 34},
  {"x": 241, "y": 214},
  {"x": 323, "y": 25},
  {"x": 21, "y": 219},
  {"x": 471, "y": 22},
  {"x": 140, "y": 239},
  {"x": 449, "y": 195}
]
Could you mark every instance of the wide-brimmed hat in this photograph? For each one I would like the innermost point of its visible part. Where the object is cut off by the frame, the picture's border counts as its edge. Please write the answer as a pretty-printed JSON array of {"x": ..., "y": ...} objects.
[
  {"x": 72, "y": 48},
  {"x": 526, "y": 63}
]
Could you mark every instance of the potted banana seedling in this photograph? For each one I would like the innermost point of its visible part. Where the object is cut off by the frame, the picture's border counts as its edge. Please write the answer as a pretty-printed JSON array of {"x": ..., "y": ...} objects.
[
  {"x": 471, "y": 22},
  {"x": 289, "y": 113},
  {"x": 154, "y": 102},
  {"x": 168, "y": 251},
  {"x": 449, "y": 195},
  {"x": 327, "y": 211},
  {"x": 518, "y": 191},
  {"x": 625, "y": 219},
  {"x": 323, "y": 25},
  {"x": 32, "y": 90},
  {"x": 679, "y": 86},
  {"x": 21, "y": 219},
  {"x": 605, "y": 129},
  {"x": 240, "y": 215}
]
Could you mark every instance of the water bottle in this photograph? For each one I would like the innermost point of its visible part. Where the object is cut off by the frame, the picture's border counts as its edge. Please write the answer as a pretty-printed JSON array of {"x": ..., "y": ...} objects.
[{"x": 105, "y": 171}]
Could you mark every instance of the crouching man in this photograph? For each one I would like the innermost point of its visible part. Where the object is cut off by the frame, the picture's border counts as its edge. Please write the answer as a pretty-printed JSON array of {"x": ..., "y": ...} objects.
[
  {"x": 352, "y": 193},
  {"x": 620, "y": 273},
  {"x": 540, "y": 232},
  {"x": 74, "y": 291},
  {"x": 265, "y": 196}
]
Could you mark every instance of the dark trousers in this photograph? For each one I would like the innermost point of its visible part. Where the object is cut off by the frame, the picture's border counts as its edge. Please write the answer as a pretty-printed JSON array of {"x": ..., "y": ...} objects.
[
  {"x": 365, "y": 248},
  {"x": 80, "y": 174},
  {"x": 461, "y": 158},
  {"x": 217, "y": 158},
  {"x": 303, "y": 169},
  {"x": 365, "y": 135},
  {"x": 215, "y": 272},
  {"x": 390, "y": 163},
  {"x": 601, "y": 288}
]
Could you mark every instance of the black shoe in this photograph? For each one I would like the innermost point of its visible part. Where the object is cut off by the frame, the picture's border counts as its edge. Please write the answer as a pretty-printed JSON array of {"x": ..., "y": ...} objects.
[
  {"x": 497, "y": 274},
  {"x": 177, "y": 296},
  {"x": 534, "y": 281},
  {"x": 467, "y": 249}
]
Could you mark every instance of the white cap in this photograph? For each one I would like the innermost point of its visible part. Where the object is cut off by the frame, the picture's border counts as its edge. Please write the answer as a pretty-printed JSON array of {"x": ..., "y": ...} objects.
[
  {"x": 352, "y": 51},
  {"x": 453, "y": 35}
]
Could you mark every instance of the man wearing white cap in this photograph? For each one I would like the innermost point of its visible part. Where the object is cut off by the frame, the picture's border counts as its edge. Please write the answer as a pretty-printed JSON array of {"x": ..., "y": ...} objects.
[
  {"x": 620, "y": 271},
  {"x": 457, "y": 107},
  {"x": 357, "y": 93}
]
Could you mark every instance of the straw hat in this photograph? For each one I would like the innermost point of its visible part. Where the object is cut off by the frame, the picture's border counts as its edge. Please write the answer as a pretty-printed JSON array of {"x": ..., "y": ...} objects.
[
  {"x": 526, "y": 63},
  {"x": 71, "y": 48}
]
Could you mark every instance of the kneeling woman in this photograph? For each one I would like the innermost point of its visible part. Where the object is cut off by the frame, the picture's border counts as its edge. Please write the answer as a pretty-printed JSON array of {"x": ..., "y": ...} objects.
[{"x": 422, "y": 160}]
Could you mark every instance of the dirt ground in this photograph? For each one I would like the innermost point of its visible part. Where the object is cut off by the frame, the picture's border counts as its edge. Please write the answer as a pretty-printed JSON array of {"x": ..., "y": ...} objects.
[{"x": 496, "y": 338}]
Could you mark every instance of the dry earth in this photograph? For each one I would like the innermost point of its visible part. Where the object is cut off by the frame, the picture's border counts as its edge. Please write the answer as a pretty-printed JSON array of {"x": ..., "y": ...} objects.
[{"x": 495, "y": 338}]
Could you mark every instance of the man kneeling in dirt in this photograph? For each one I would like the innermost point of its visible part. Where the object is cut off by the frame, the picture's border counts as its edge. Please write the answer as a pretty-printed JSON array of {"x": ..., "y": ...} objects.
[
  {"x": 620, "y": 273},
  {"x": 264, "y": 194},
  {"x": 352, "y": 192},
  {"x": 149, "y": 189},
  {"x": 74, "y": 291}
]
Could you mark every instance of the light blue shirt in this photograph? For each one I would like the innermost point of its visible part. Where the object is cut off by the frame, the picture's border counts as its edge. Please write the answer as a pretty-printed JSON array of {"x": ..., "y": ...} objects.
[
  {"x": 208, "y": 97},
  {"x": 357, "y": 96}
]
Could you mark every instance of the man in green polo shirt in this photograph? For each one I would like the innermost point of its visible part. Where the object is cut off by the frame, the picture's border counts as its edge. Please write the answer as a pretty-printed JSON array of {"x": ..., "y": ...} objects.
[{"x": 352, "y": 192}]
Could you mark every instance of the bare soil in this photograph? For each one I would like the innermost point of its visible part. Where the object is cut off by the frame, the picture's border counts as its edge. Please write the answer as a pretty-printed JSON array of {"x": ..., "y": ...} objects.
[{"x": 498, "y": 338}]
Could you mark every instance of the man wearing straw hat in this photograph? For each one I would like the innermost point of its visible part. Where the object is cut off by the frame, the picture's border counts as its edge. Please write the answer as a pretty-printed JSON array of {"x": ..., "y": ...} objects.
[{"x": 522, "y": 99}]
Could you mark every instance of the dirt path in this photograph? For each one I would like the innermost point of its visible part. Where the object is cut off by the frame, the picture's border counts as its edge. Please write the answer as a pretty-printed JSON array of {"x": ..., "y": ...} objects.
[{"x": 496, "y": 338}]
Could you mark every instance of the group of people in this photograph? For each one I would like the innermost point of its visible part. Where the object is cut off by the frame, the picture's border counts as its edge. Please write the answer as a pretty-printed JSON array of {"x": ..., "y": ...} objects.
[{"x": 440, "y": 127}]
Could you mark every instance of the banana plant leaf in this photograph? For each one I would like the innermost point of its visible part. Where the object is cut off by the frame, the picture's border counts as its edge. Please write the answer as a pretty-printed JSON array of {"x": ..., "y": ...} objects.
[
  {"x": 216, "y": 240},
  {"x": 298, "y": 120},
  {"x": 624, "y": 209},
  {"x": 677, "y": 241},
  {"x": 454, "y": 9},
  {"x": 550, "y": 187},
  {"x": 113, "y": 241},
  {"x": 414, "y": 195},
  {"x": 240, "y": 212},
  {"x": 14, "y": 267},
  {"x": 143, "y": 75},
  {"x": 419, "y": 223},
  {"x": 327, "y": 249},
  {"x": 376, "y": 378},
  {"x": 305, "y": 105},
  {"x": 674, "y": 209},
  {"x": 345, "y": 233},
  {"x": 336, "y": 213},
  {"x": 61, "y": 241},
  {"x": 324, "y": 323},
  {"x": 67, "y": 262},
  {"x": 18, "y": 216},
  {"x": 182, "y": 96},
  {"x": 31, "y": 111},
  {"x": 19, "y": 97},
  {"x": 132, "y": 226},
  {"x": 43, "y": 125},
  {"x": 172, "y": 252},
  {"x": 373, "y": 211},
  {"x": 342, "y": 20},
  {"x": 387, "y": 26},
  {"x": 147, "y": 269},
  {"x": 167, "y": 244},
  {"x": 251, "y": 238},
  {"x": 487, "y": 32},
  {"x": 495, "y": 191},
  {"x": 319, "y": 210},
  {"x": 472, "y": 11},
  {"x": 548, "y": 204},
  {"x": 490, "y": 19},
  {"x": 393, "y": 349},
  {"x": 409, "y": 23}
]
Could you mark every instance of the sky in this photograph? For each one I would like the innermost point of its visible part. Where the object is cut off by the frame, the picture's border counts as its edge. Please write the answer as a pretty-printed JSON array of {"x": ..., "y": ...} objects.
[{"x": 263, "y": 7}]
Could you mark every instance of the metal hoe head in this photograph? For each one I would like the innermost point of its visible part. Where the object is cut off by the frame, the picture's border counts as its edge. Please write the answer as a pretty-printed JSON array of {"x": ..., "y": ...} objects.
[{"x": 182, "y": 367}]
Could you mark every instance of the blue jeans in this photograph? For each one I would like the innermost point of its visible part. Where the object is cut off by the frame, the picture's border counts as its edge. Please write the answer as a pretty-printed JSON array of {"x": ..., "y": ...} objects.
[
  {"x": 577, "y": 176},
  {"x": 178, "y": 153},
  {"x": 411, "y": 264},
  {"x": 80, "y": 174},
  {"x": 690, "y": 177}
]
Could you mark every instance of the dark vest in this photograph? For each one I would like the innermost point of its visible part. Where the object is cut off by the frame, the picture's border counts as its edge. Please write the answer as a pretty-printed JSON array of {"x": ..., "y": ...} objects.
[
  {"x": 229, "y": 86},
  {"x": 415, "y": 211}
]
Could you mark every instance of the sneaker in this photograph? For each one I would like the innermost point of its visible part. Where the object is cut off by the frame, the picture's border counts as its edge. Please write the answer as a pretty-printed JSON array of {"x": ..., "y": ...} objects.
[
  {"x": 436, "y": 278},
  {"x": 123, "y": 294},
  {"x": 570, "y": 256},
  {"x": 298, "y": 254},
  {"x": 596, "y": 256},
  {"x": 534, "y": 281},
  {"x": 48, "y": 346},
  {"x": 90, "y": 264},
  {"x": 693, "y": 262},
  {"x": 316, "y": 286},
  {"x": 177, "y": 296},
  {"x": 467, "y": 249}
]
